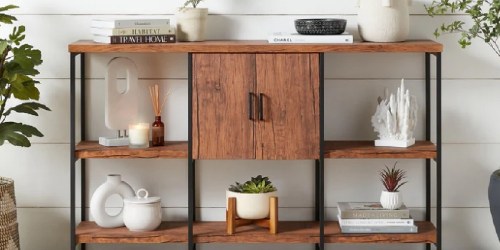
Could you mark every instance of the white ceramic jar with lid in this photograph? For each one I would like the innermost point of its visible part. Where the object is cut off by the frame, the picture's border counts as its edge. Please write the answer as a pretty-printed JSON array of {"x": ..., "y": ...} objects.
[{"x": 142, "y": 213}]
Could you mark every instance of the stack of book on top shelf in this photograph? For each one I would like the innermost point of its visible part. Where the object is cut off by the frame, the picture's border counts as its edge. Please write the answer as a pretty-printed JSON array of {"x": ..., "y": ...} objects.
[
  {"x": 371, "y": 217},
  {"x": 132, "y": 31}
]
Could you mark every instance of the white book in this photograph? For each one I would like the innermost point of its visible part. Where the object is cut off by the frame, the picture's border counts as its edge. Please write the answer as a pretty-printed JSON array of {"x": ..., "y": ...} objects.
[
  {"x": 128, "y": 23},
  {"x": 155, "y": 30},
  {"x": 375, "y": 222},
  {"x": 298, "y": 38}
]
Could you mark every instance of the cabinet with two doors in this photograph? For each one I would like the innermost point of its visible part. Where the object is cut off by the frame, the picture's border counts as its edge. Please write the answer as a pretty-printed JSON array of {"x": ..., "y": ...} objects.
[{"x": 254, "y": 100}]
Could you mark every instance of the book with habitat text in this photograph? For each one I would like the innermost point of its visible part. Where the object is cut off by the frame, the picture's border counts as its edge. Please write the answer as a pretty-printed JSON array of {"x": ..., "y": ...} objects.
[{"x": 154, "y": 30}]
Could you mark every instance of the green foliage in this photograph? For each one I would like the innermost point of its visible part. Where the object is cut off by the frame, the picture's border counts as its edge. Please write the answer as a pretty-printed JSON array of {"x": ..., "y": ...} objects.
[
  {"x": 255, "y": 185},
  {"x": 392, "y": 178},
  {"x": 18, "y": 63},
  {"x": 485, "y": 15},
  {"x": 193, "y": 3}
]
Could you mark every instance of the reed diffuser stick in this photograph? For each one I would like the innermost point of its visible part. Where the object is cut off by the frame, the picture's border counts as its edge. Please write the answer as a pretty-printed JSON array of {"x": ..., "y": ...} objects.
[{"x": 154, "y": 93}]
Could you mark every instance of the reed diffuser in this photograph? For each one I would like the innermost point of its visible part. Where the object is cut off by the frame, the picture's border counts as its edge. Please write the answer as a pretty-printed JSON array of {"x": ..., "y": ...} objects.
[{"x": 157, "y": 128}]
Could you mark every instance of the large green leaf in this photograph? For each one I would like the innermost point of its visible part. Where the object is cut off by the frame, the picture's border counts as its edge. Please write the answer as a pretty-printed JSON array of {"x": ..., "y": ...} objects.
[
  {"x": 27, "y": 58},
  {"x": 23, "y": 87},
  {"x": 17, "y": 133},
  {"x": 28, "y": 108}
]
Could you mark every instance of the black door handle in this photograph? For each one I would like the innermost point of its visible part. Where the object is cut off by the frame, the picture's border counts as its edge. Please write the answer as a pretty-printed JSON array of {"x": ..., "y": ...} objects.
[
  {"x": 250, "y": 106},
  {"x": 261, "y": 106}
]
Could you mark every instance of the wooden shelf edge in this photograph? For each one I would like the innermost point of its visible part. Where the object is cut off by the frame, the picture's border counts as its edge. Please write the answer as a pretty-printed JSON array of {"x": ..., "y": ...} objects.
[
  {"x": 167, "y": 232},
  {"x": 367, "y": 149},
  {"x": 288, "y": 232},
  {"x": 92, "y": 149},
  {"x": 256, "y": 46},
  {"x": 427, "y": 233}
]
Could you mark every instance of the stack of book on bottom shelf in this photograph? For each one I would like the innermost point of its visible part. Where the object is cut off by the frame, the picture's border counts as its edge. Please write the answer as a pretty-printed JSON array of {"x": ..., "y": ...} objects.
[
  {"x": 371, "y": 217},
  {"x": 132, "y": 31}
]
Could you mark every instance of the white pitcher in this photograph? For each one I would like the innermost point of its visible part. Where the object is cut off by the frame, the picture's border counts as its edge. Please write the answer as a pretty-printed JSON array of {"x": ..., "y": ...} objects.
[{"x": 384, "y": 20}]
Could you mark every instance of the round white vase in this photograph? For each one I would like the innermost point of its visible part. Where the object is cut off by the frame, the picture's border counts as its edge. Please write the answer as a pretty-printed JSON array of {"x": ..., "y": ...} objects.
[
  {"x": 113, "y": 185},
  {"x": 191, "y": 24},
  {"x": 251, "y": 206},
  {"x": 391, "y": 200},
  {"x": 384, "y": 20}
]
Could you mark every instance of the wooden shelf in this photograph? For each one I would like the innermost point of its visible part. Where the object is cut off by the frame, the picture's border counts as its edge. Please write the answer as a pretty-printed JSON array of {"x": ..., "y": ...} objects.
[
  {"x": 366, "y": 149},
  {"x": 168, "y": 232},
  {"x": 288, "y": 232},
  {"x": 426, "y": 234},
  {"x": 92, "y": 149},
  {"x": 253, "y": 46}
]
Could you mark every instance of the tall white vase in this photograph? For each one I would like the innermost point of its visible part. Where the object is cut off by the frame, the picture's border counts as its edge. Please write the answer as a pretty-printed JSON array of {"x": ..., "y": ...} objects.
[
  {"x": 113, "y": 185},
  {"x": 384, "y": 20},
  {"x": 191, "y": 24}
]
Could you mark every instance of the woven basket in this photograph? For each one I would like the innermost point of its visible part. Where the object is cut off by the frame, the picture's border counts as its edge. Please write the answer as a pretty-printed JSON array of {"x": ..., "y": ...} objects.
[{"x": 9, "y": 234}]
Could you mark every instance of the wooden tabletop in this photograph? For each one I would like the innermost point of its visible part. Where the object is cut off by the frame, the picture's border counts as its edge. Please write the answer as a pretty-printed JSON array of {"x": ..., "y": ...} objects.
[{"x": 254, "y": 46}]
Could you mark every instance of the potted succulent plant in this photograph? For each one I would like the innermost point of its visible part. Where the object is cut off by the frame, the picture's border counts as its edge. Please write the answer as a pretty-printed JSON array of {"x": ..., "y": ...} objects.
[
  {"x": 484, "y": 15},
  {"x": 392, "y": 179},
  {"x": 17, "y": 69},
  {"x": 191, "y": 21},
  {"x": 252, "y": 197}
]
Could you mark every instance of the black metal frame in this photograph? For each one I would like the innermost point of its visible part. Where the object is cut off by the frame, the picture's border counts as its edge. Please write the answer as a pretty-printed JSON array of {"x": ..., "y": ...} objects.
[{"x": 319, "y": 163}]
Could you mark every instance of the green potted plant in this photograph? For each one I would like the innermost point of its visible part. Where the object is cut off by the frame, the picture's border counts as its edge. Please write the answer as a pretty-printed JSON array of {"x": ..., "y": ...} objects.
[
  {"x": 485, "y": 17},
  {"x": 252, "y": 197},
  {"x": 18, "y": 63},
  {"x": 191, "y": 22},
  {"x": 392, "y": 179}
]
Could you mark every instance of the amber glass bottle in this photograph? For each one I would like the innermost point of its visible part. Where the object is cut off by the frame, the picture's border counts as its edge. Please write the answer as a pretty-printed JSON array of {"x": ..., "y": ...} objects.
[{"x": 158, "y": 132}]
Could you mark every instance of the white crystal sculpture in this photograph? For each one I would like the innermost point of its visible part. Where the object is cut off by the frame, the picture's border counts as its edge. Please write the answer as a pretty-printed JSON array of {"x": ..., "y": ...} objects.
[{"x": 395, "y": 119}]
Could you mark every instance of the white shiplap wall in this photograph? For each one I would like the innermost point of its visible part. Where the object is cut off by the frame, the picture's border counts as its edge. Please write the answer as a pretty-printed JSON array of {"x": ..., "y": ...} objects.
[{"x": 471, "y": 87}]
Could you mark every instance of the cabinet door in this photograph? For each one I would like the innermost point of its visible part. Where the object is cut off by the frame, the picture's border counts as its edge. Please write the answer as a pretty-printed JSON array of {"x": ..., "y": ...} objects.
[
  {"x": 222, "y": 128},
  {"x": 289, "y": 84}
]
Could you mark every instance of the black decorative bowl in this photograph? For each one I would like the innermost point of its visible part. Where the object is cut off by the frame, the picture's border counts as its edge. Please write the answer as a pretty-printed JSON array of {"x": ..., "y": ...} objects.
[{"x": 328, "y": 26}]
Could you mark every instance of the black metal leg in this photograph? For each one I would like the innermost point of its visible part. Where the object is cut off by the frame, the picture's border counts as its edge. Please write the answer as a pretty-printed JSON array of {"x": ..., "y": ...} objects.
[
  {"x": 72, "y": 150},
  {"x": 428, "y": 138},
  {"x": 439, "y": 152},
  {"x": 321, "y": 167},
  {"x": 191, "y": 161},
  {"x": 83, "y": 172}
]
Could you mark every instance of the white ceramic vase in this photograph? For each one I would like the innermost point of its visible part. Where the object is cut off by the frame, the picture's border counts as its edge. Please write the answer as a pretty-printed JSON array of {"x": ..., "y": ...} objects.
[
  {"x": 384, "y": 20},
  {"x": 251, "y": 206},
  {"x": 391, "y": 200},
  {"x": 191, "y": 24},
  {"x": 113, "y": 185}
]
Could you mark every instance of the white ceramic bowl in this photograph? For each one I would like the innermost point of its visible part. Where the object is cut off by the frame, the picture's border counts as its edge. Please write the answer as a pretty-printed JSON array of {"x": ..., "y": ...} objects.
[
  {"x": 142, "y": 213},
  {"x": 251, "y": 206}
]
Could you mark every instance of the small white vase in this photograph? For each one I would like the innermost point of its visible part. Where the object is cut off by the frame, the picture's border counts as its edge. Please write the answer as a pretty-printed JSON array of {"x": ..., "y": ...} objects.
[
  {"x": 251, "y": 206},
  {"x": 391, "y": 200},
  {"x": 384, "y": 20},
  {"x": 191, "y": 24},
  {"x": 113, "y": 185}
]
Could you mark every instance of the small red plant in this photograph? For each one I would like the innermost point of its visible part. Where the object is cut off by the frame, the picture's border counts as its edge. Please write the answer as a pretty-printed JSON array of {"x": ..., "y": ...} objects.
[{"x": 392, "y": 178}]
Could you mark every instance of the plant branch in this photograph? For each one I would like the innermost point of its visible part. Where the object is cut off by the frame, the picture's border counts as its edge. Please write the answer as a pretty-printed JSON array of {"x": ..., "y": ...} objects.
[{"x": 9, "y": 88}]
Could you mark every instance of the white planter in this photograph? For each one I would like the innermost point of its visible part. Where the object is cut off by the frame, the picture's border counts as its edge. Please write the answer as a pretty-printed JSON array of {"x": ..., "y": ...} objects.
[
  {"x": 384, "y": 20},
  {"x": 251, "y": 206},
  {"x": 391, "y": 200},
  {"x": 191, "y": 24},
  {"x": 113, "y": 185}
]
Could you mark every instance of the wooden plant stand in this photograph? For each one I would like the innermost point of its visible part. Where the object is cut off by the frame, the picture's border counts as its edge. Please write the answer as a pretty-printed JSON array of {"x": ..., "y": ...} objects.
[{"x": 232, "y": 220}]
